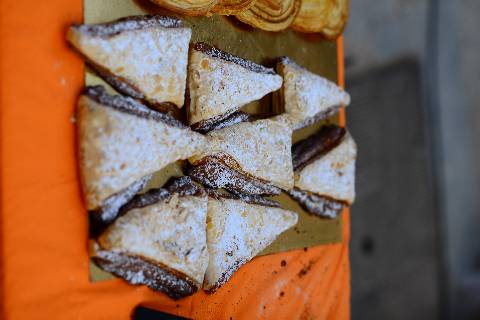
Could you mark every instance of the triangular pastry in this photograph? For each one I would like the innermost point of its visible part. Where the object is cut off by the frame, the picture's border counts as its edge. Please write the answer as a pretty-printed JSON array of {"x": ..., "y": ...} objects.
[
  {"x": 220, "y": 83},
  {"x": 236, "y": 232},
  {"x": 325, "y": 172},
  {"x": 249, "y": 157},
  {"x": 120, "y": 143},
  {"x": 160, "y": 241},
  {"x": 144, "y": 57},
  {"x": 307, "y": 97}
]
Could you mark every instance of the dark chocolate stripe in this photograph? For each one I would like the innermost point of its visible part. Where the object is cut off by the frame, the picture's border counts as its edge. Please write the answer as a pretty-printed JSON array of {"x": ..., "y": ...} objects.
[
  {"x": 220, "y": 122},
  {"x": 213, "y": 173},
  {"x": 220, "y": 54},
  {"x": 321, "y": 206},
  {"x": 330, "y": 111},
  {"x": 109, "y": 208},
  {"x": 184, "y": 186},
  {"x": 128, "y": 24},
  {"x": 248, "y": 198},
  {"x": 130, "y": 106},
  {"x": 316, "y": 145},
  {"x": 155, "y": 276}
]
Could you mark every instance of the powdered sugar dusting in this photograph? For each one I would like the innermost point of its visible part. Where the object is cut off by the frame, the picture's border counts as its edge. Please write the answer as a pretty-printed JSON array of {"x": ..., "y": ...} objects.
[
  {"x": 170, "y": 232},
  {"x": 236, "y": 232},
  {"x": 117, "y": 148},
  {"x": 110, "y": 207},
  {"x": 218, "y": 86},
  {"x": 307, "y": 95},
  {"x": 128, "y": 24},
  {"x": 136, "y": 271},
  {"x": 220, "y": 54},
  {"x": 261, "y": 148},
  {"x": 332, "y": 175},
  {"x": 213, "y": 173},
  {"x": 153, "y": 60},
  {"x": 319, "y": 205}
]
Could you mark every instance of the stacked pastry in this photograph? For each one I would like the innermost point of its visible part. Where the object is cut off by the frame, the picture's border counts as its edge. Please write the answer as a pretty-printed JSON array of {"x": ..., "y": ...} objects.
[
  {"x": 198, "y": 229},
  {"x": 327, "y": 17}
]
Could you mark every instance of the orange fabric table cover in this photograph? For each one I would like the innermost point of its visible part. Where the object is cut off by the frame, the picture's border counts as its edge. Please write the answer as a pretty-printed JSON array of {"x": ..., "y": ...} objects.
[{"x": 44, "y": 258}]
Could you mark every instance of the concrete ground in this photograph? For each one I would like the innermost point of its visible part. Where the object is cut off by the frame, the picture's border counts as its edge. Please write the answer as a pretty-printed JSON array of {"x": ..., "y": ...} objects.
[{"x": 440, "y": 37}]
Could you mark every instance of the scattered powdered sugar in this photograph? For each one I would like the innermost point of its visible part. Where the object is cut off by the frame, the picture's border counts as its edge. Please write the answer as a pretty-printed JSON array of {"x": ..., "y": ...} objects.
[
  {"x": 220, "y": 54},
  {"x": 170, "y": 232},
  {"x": 333, "y": 174},
  {"x": 218, "y": 86},
  {"x": 110, "y": 206},
  {"x": 117, "y": 148},
  {"x": 129, "y": 105},
  {"x": 128, "y": 24},
  {"x": 213, "y": 173},
  {"x": 316, "y": 204},
  {"x": 307, "y": 95},
  {"x": 236, "y": 232},
  {"x": 153, "y": 60},
  {"x": 136, "y": 271},
  {"x": 261, "y": 148}
]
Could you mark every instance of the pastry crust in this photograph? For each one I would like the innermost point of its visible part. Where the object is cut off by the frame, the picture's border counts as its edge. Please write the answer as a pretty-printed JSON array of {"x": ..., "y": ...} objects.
[
  {"x": 307, "y": 97},
  {"x": 144, "y": 57},
  {"x": 187, "y": 7},
  {"x": 160, "y": 244},
  {"x": 260, "y": 149},
  {"x": 332, "y": 175},
  {"x": 236, "y": 232},
  {"x": 270, "y": 15},
  {"x": 220, "y": 83},
  {"x": 232, "y": 7},
  {"x": 327, "y": 17},
  {"x": 121, "y": 141}
]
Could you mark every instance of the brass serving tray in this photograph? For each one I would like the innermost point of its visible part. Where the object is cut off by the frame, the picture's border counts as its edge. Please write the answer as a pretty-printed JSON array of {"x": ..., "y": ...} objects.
[{"x": 262, "y": 47}]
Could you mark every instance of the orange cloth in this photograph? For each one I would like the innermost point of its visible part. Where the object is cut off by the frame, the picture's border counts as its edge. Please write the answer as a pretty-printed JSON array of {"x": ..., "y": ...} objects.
[{"x": 43, "y": 221}]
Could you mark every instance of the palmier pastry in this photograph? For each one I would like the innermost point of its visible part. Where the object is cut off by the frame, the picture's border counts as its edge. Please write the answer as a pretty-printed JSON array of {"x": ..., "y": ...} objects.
[
  {"x": 327, "y": 17},
  {"x": 248, "y": 157},
  {"x": 187, "y": 7},
  {"x": 220, "y": 84},
  {"x": 307, "y": 97},
  {"x": 120, "y": 143},
  {"x": 324, "y": 166},
  {"x": 160, "y": 241},
  {"x": 231, "y": 7},
  {"x": 270, "y": 15},
  {"x": 237, "y": 231},
  {"x": 144, "y": 57}
]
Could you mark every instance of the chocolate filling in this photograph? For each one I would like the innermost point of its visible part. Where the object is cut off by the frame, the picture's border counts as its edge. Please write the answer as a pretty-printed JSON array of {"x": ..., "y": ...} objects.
[
  {"x": 130, "y": 106},
  {"x": 220, "y": 54},
  {"x": 99, "y": 221},
  {"x": 128, "y": 24},
  {"x": 248, "y": 198},
  {"x": 322, "y": 206},
  {"x": 138, "y": 270},
  {"x": 213, "y": 172},
  {"x": 184, "y": 186},
  {"x": 308, "y": 150},
  {"x": 110, "y": 206},
  {"x": 319, "y": 117},
  {"x": 221, "y": 121}
]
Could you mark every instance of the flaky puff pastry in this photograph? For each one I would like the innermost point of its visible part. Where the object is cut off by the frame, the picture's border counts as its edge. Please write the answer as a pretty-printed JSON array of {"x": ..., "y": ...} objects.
[
  {"x": 232, "y": 7},
  {"x": 144, "y": 57},
  {"x": 271, "y": 15},
  {"x": 187, "y": 7},
  {"x": 327, "y": 17}
]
